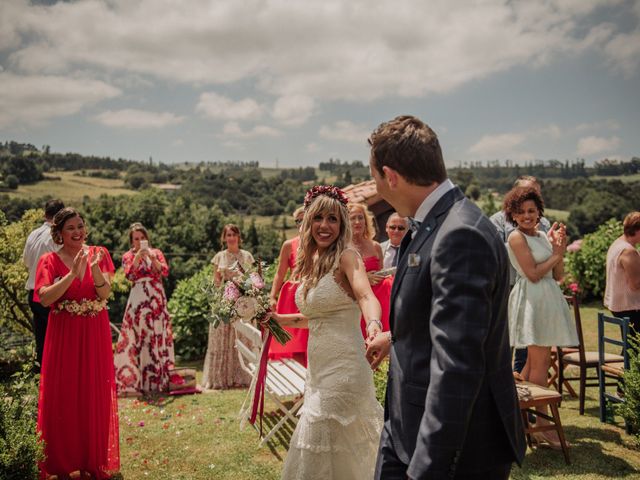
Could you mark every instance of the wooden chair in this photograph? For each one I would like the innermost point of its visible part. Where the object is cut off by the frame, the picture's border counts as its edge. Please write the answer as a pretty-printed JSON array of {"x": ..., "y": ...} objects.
[
  {"x": 613, "y": 371},
  {"x": 538, "y": 396},
  {"x": 584, "y": 360},
  {"x": 552, "y": 381},
  {"x": 284, "y": 381}
]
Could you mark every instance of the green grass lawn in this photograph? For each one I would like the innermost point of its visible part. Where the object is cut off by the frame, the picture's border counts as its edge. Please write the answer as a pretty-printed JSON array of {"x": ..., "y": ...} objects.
[{"x": 198, "y": 437}]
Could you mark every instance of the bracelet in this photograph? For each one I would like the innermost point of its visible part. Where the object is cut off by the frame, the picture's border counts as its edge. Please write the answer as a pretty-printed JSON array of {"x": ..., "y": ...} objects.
[
  {"x": 376, "y": 321},
  {"x": 101, "y": 285},
  {"x": 390, "y": 337}
]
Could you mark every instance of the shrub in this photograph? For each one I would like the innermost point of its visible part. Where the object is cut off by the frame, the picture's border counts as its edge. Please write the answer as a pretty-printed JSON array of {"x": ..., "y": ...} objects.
[
  {"x": 630, "y": 409},
  {"x": 189, "y": 308},
  {"x": 120, "y": 288},
  {"x": 588, "y": 265},
  {"x": 12, "y": 182},
  {"x": 20, "y": 448}
]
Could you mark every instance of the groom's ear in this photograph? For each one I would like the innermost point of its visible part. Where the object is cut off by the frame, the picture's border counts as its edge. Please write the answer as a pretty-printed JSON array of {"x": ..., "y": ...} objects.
[{"x": 391, "y": 176}]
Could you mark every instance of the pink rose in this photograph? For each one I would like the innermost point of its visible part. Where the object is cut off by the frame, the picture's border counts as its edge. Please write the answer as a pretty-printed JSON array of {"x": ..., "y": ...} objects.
[
  {"x": 574, "y": 287},
  {"x": 231, "y": 291},
  {"x": 574, "y": 246},
  {"x": 257, "y": 280}
]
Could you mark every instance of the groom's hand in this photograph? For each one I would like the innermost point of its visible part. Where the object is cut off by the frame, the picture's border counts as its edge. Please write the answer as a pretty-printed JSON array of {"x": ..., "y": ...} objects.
[{"x": 378, "y": 348}]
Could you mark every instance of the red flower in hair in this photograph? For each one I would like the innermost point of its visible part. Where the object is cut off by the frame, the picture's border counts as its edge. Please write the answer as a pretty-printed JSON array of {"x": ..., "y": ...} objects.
[{"x": 328, "y": 190}]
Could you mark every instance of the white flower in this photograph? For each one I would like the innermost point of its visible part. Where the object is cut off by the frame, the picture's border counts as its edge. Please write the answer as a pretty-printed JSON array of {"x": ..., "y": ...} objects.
[{"x": 246, "y": 307}]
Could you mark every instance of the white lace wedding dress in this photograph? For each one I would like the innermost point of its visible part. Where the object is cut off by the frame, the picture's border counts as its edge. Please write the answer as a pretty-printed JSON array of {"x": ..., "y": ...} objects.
[{"x": 338, "y": 433}]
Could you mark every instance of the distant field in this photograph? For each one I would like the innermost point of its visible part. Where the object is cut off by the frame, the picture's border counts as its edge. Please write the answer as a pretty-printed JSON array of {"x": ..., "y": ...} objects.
[
  {"x": 561, "y": 215},
  {"x": 71, "y": 187},
  {"x": 623, "y": 178}
]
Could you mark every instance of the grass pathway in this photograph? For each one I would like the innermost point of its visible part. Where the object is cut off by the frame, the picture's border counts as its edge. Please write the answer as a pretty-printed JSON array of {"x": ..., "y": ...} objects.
[{"x": 198, "y": 437}]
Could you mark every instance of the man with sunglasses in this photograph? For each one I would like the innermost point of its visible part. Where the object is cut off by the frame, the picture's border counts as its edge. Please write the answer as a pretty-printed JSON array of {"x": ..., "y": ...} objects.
[{"x": 396, "y": 228}]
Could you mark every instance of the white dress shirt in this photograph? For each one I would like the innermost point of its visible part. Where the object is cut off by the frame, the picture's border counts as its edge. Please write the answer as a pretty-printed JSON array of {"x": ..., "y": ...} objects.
[
  {"x": 38, "y": 243},
  {"x": 389, "y": 253},
  {"x": 431, "y": 200}
]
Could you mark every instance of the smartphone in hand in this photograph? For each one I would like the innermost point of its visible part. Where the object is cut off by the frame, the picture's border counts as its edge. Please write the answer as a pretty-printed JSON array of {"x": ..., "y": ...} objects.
[{"x": 144, "y": 244}]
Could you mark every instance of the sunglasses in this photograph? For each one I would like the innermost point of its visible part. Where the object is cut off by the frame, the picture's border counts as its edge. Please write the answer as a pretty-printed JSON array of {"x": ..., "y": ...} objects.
[
  {"x": 395, "y": 227},
  {"x": 298, "y": 221}
]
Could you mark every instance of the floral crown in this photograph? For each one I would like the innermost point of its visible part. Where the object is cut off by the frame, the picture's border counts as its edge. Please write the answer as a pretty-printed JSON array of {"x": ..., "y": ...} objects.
[{"x": 327, "y": 190}]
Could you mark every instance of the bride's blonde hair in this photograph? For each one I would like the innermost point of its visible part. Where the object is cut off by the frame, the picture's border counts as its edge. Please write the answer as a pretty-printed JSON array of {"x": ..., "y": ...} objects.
[{"x": 308, "y": 268}]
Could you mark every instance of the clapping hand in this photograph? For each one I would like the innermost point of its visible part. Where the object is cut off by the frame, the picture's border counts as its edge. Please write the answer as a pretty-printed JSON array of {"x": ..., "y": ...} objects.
[
  {"x": 96, "y": 257},
  {"x": 79, "y": 262},
  {"x": 557, "y": 236}
]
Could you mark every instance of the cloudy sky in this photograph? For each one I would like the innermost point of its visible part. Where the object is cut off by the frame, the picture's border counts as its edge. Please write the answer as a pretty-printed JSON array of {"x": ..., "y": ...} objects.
[{"x": 300, "y": 82}]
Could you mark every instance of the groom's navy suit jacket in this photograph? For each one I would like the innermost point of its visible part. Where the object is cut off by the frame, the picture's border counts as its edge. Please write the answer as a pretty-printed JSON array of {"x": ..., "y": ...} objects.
[{"x": 451, "y": 404}]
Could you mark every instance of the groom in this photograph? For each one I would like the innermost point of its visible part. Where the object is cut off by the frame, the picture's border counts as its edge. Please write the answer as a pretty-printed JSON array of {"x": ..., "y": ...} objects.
[{"x": 451, "y": 409}]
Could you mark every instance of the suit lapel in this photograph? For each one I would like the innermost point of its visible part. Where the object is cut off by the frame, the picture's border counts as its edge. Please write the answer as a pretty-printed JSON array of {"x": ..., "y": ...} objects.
[{"x": 427, "y": 228}]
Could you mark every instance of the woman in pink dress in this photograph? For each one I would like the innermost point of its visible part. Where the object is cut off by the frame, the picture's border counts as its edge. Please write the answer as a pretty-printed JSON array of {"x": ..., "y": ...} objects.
[
  {"x": 285, "y": 302},
  {"x": 77, "y": 408},
  {"x": 144, "y": 352},
  {"x": 363, "y": 230}
]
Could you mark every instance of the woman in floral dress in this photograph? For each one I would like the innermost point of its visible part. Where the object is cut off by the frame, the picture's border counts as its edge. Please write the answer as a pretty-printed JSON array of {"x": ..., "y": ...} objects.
[
  {"x": 144, "y": 352},
  {"x": 222, "y": 368}
]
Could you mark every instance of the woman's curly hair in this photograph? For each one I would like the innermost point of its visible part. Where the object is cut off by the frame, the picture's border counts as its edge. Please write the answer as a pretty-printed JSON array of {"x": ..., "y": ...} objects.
[{"x": 514, "y": 199}]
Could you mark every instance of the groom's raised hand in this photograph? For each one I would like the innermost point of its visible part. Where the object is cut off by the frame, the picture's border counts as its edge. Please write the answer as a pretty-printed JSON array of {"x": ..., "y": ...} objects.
[{"x": 378, "y": 348}]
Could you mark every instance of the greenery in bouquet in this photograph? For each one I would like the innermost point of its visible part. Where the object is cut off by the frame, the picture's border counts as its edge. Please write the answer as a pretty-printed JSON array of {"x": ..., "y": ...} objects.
[{"x": 245, "y": 298}]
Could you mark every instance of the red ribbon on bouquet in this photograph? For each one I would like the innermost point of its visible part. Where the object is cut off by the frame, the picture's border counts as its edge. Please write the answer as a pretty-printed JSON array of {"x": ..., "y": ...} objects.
[{"x": 258, "y": 394}]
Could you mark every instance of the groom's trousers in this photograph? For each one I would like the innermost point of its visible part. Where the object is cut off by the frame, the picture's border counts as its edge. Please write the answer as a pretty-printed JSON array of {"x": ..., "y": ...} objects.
[{"x": 390, "y": 467}]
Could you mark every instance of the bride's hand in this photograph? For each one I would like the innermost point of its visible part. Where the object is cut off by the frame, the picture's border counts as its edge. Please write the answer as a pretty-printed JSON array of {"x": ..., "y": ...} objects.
[{"x": 373, "y": 329}]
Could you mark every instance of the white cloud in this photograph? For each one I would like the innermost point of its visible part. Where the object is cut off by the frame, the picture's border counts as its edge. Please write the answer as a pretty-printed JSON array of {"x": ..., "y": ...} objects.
[
  {"x": 233, "y": 130},
  {"x": 367, "y": 51},
  {"x": 345, "y": 131},
  {"x": 312, "y": 147},
  {"x": 608, "y": 124},
  {"x": 588, "y": 146},
  {"x": 36, "y": 99},
  {"x": 293, "y": 110},
  {"x": 218, "y": 107},
  {"x": 137, "y": 119},
  {"x": 502, "y": 145},
  {"x": 624, "y": 52}
]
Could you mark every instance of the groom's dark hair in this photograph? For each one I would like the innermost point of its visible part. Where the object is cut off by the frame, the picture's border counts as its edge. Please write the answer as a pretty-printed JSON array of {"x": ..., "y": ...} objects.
[{"x": 411, "y": 148}]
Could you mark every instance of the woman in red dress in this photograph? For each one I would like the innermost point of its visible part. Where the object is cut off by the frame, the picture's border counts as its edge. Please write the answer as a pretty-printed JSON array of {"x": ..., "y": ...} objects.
[
  {"x": 77, "y": 409},
  {"x": 363, "y": 230},
  {"x": 144, "y": 352},
  {"x": 283, "y": 300}
]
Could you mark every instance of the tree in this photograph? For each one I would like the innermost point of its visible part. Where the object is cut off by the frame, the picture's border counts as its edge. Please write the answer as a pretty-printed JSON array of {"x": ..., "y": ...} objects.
[
  {"x": 489, "y": 206},
  {"x": 12, "y": 182},
  {"x": 14, "y": 310},
  {"x": 473, "y": 192},
  {"x": 251, "y": 237}
]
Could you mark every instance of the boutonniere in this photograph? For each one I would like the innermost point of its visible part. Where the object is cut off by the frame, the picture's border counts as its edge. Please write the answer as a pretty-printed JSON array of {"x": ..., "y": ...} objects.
[{"x": 413, "y": 260}]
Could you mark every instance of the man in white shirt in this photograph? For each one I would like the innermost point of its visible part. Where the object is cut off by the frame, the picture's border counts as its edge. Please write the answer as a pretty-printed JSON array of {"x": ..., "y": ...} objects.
[
  {"x": 396, "y": 228},
  {"x": 38, "y": 243}
]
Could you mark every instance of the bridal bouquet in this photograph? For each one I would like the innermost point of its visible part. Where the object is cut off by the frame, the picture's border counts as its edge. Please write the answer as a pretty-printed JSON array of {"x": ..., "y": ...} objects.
[{"x": 244, "y": 297}]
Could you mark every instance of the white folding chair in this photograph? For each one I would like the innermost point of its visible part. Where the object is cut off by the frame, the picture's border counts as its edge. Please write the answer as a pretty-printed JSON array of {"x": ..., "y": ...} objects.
[{"x": 284, "y": 381}]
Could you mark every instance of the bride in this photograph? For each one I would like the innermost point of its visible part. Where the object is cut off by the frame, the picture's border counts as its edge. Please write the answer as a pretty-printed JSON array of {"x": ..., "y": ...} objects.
[{"x": 339, "y": 430}]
